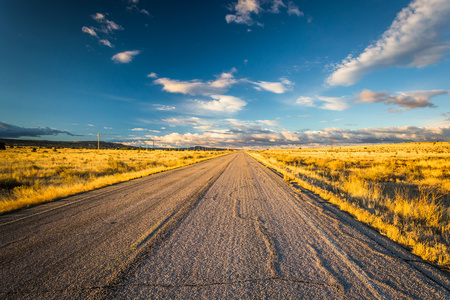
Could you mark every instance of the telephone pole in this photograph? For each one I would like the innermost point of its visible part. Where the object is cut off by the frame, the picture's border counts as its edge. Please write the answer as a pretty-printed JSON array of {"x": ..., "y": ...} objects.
[{"x": 98, "y": 141}]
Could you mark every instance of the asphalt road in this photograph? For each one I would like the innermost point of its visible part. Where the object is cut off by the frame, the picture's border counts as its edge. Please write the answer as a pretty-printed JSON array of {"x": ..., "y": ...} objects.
[{"x": 227, "y": 228}]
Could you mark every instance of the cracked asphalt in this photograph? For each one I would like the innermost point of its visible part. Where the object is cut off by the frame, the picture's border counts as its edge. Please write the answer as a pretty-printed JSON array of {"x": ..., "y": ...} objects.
[{"x": 226, "y": 228}]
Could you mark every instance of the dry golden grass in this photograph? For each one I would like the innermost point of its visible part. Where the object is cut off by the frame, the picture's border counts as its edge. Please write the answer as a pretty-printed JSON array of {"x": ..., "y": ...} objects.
[
  {"x": 400, "y": 189},
  {"x": 29, "y": 176}
]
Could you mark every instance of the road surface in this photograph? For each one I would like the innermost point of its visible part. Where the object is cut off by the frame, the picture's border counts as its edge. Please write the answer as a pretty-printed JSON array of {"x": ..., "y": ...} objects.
[{"x": 226, "y": 228}]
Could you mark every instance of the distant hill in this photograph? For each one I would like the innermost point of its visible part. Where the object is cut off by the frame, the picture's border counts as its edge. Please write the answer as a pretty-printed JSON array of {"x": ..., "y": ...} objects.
[
  {"x": 60, "y": 144},
  {"x": 90, "y": 145}
]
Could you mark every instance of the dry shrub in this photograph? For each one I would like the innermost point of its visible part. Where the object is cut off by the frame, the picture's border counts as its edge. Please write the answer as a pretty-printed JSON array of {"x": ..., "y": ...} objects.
[
  {"x": 29, "y": 178},
  {"x": 402, "y": 189}
]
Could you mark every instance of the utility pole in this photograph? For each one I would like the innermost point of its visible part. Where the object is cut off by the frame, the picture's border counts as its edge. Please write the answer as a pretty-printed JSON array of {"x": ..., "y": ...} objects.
[
  {"x": 146, "y": 145},
  {"x": 153, "y": 144},
  {"x": 331, "y": 143},
  {"x": 98, "y": 141}
]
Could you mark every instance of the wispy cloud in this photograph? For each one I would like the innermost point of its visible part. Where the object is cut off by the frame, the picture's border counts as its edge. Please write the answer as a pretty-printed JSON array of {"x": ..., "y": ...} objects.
[
  {"x": 275, "y": 87},
  {"x": 328, "y": 103},
  {"x": 13, "y": 131},
  {"x": 269, "y": 123},
  {"x": 197, "y": 87},
  {"x": 294, "y": 10},
  {"x": 418, "y": 37},
  {"x": 106, "y": 43},
  {"x": 163, "y": 107},
  {"x": 90, "y": 31},
  {"x": 125, "y": 57},
  {"x": 107, "y": 28},
  {"x": 244, "y": 11},
  {"x": 305, "y": 101},
  {"x": 408, "y": 100}
]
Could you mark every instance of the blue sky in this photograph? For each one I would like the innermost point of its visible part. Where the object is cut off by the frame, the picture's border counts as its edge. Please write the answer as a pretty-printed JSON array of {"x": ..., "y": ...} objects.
[{"x": 242, "y": 74}]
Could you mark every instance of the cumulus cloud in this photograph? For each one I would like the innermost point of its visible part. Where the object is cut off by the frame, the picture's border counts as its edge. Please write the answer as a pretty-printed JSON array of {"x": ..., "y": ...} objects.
[
  {"x": 125, "y": 57},
  {"x": 243, "y": 10},
  {"x": 248, "y": 136},
  {"x": 197, "y": 87},
  {"x": 152, "y": 75},
  {"x": 12, "y": 131},
  {"x": 275, "y": 87},
  {"x": 418, "y": 37},
  {"x": 408, "y": 100},
  {"x": 223, "y": 103}
]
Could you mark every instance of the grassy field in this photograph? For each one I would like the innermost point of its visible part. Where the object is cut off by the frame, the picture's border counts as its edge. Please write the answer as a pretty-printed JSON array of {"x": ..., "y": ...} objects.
[
  {"x": 29, "y": 176},
  {"x": 400, "y": 189}
]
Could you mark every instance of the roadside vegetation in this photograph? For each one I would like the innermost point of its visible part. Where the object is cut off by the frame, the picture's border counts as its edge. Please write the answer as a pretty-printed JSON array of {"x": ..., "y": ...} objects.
[
  {"x": 400, "y": 189},
  {"x": 31, "y": 175}
]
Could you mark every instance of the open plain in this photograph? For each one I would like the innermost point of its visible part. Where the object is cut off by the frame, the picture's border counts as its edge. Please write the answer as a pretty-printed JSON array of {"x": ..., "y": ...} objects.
[{"x": 225, "y": 228}]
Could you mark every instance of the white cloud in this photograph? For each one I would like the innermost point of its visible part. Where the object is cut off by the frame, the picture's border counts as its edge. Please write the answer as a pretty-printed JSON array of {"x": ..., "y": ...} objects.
[
  {"x": 275, "y": 87},
  {"x": 125, "y": 57},
  {"x": 163, "y": 107},
  {"x": 152, "y": 75},
  {"x": 138, "y": 129},
  {"x": 276, "y": 6},
  {"x": 244, "y": 9},
  {"x": 269, "y": 123},
  {"x": 305, "y": 101},
  {"x": 294, "y": 10},
  {"x": 408, "y": 100},
  {"x": 328, "y": 103},
  {"x": 98, "y": 17},
  {"x": 107, "y": 27},
  {"x": 334, "y": 103},
  {"x": 135, "y": 8},
  {"x": 223, "y": 103},
  {"x": 106, "y": 43},
  {"x": 90, "y": 31},
  {"x": 416, "y": 38},
  {"x": 239, "y": 135},
  {"x": 198, "y": 87}
]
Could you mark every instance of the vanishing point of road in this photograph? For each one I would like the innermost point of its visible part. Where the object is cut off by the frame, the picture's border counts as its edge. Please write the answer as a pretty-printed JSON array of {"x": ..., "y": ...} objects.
[{"x": 226, "y": 228}]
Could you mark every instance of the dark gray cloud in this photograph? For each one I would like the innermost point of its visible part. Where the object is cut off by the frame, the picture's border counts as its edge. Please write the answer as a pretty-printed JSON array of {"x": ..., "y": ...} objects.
[
  {"x": 12, "y": 131},
  {"x": 408, "y": 100}
]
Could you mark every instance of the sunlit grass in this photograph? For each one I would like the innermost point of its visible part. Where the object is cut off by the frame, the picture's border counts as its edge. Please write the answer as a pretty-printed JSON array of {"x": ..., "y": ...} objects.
[
  {"x": 401, "y": 189},
  {"x": 30, "y": 176}
]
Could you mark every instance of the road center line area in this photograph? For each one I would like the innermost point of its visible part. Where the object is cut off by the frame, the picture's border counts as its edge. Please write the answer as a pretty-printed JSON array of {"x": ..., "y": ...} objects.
[{"x": 226, "y": 228}]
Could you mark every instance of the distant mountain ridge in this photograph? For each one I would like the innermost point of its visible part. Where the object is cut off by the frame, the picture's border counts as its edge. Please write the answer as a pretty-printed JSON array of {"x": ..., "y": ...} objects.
[
  {"x": 77, "y": 144},
  {"x": 92, "y": 145}
]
